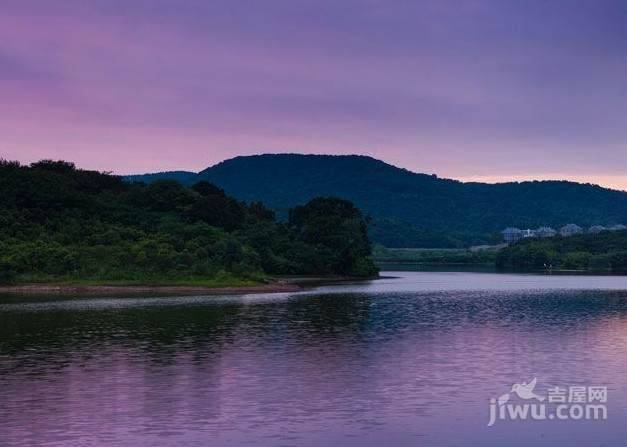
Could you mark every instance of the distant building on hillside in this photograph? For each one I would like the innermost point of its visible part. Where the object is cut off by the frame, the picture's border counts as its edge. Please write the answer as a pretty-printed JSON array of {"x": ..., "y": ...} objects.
[
  {"x": 512, "y": 235},
  {"x": 570, "y": 230},
  {"x": 596, "y": 229},
  {"x": 545, "y": 232},
  {"x": 528, "y": 233},
  {"x": 619, "y": 227}
]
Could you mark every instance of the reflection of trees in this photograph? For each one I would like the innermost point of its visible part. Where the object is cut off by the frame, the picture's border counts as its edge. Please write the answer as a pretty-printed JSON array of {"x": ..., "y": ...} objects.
[
  {"x": 114, "y": 364},
  {"x": 329, "y": 315},
  {"x": 162, "y": 332},
  {"x": 154, "y": 328},
  {"x": 226, "y": 365},
  {"x": 178, "y": 364}
]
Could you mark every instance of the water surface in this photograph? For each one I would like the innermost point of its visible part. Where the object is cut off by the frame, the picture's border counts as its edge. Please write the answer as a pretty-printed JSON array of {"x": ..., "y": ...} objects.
[{"x": 409, "y": 361}]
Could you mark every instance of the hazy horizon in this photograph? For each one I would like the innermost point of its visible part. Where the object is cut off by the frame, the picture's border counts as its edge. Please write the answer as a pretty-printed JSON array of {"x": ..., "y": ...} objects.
[{"x": 485, "y": 90}]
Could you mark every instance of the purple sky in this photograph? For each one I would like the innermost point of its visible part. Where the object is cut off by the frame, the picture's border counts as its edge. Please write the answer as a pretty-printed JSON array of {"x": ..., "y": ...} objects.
[{"x": 491, "y": 90}]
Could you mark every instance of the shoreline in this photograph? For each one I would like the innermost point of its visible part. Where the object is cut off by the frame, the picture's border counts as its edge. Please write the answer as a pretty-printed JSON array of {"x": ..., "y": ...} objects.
[
  {"x": 281, "y": 285},
  {"x": 104, "y": 289}
]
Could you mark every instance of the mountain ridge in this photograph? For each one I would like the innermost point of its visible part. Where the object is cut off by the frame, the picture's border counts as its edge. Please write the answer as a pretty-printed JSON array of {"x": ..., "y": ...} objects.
[{"x": 191, "y": 174}]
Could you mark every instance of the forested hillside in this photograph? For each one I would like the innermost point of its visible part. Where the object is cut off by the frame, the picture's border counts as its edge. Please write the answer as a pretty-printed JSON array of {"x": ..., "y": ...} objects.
[
  {"x": 410, "y": 209},
  {"x": 62, "y": 223},
  {"x": 604, "y": 251}
]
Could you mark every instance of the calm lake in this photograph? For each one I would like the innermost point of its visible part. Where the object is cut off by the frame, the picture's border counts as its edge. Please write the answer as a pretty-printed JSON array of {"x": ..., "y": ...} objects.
[{"x": 406, "y": 361}]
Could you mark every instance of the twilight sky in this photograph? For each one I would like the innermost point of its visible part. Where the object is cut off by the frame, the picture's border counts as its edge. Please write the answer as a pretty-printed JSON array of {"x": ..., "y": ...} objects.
[{"x": 487, "y": 90}]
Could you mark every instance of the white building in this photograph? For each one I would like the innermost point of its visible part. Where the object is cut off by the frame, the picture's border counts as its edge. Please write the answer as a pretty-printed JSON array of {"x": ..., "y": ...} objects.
[{"x": 545, "y": 232}]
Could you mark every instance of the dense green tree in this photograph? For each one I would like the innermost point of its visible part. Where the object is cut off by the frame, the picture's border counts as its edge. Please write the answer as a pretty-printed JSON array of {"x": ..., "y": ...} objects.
[
  {"x": 60, "y": 222},
  {"x": 606, "y": 250},
  {"x": 208, "y": 189},
  {"x": 168, "y": 195},
  {"x": 337, "y": 231}
]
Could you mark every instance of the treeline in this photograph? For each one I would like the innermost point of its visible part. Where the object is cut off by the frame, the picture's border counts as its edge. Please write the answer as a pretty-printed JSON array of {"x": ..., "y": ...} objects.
[
  {"x": 382, "y": 254},
  {"x": 58, "y": 222},
  {"x": 604, "y": 251}
]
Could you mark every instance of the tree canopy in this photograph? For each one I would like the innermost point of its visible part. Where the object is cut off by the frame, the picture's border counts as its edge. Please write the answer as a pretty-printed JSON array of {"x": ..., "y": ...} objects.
[
  {"x": 60, "y": 222},
  {"x": 603, "y": 251},
  {"x": 338, "y": 233}
]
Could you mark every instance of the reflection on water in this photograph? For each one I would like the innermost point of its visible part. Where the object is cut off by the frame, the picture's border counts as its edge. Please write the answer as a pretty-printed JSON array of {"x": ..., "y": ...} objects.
[{"x": 406, "y": 361}]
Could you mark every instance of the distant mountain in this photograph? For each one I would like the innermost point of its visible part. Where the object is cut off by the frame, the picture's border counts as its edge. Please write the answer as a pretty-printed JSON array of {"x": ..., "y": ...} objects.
[{"x": 410, "y": 209}]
